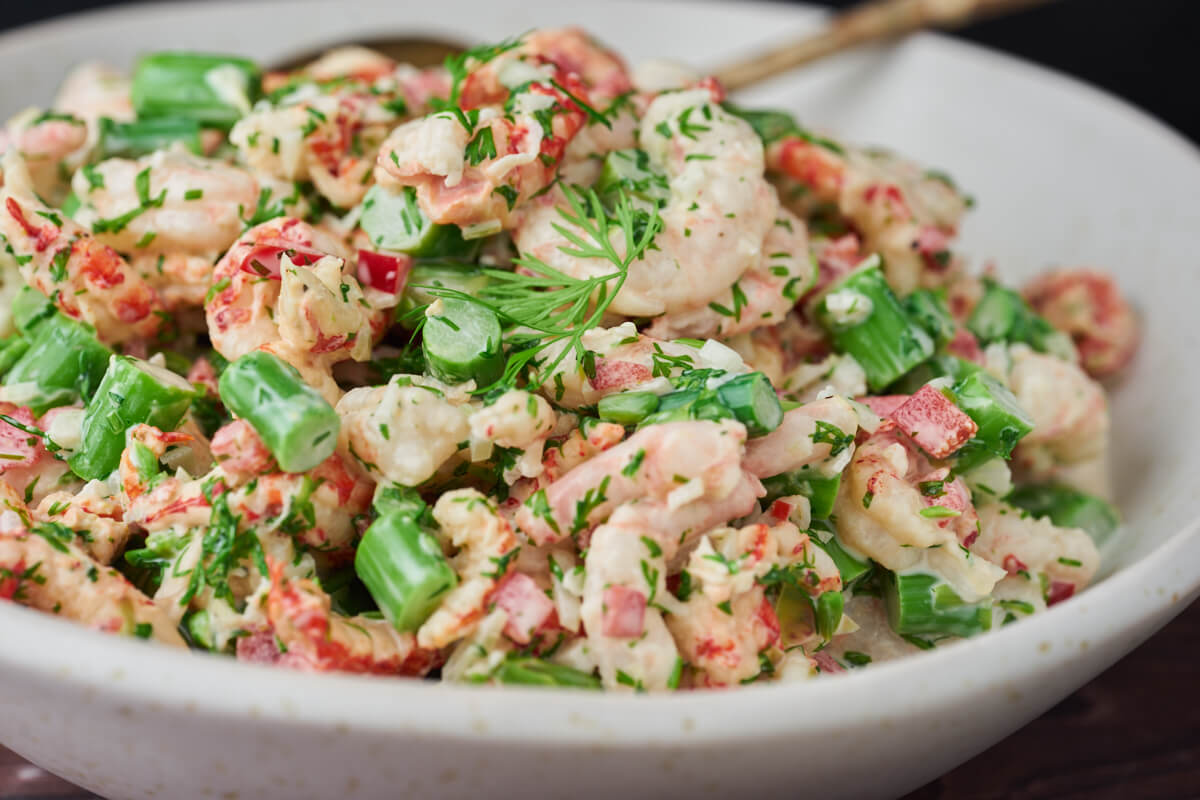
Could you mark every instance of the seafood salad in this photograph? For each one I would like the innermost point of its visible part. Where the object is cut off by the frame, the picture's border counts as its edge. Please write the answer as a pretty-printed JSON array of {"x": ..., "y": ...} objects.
[{"x": 529, "y": 368}]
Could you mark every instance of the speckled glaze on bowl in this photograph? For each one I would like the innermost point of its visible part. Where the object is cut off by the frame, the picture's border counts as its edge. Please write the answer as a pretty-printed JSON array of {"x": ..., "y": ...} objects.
[{"x": 1064, "y": 174}]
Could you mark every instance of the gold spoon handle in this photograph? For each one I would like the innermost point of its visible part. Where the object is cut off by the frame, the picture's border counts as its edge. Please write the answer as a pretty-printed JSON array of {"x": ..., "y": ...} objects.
[{"x": 873, "y": 21}]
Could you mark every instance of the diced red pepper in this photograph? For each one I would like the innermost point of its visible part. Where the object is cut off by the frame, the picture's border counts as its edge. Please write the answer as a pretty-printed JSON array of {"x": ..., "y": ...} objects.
[
  {"x": 624, "y": 612},
  {"x": 383, "y": 271},
  {"x": 527, "y": 606},
  {"x": 1059, "y": 591},
  {"x": 932, "y": 421}
]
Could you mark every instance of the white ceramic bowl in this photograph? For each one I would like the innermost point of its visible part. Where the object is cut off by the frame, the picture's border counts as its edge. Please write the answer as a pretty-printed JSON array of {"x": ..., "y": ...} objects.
[{"x": 1064, "y": 174}]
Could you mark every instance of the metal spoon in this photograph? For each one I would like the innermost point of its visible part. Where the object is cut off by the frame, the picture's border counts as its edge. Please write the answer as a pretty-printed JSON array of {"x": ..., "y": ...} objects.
[{"x": 872, "y": 21}]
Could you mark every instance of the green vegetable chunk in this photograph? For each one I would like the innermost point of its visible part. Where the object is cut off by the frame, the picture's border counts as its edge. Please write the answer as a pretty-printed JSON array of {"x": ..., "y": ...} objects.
[
  {"x": 940, "y": 366},
  {"x": 1068, "y": 508},
  {"x": 627, "y": 408},
  {"x": 529, "y": 671},
  {"x": 403, "y": 568},
  {"x": 393, "y": 221},
  {"x": 1002, "y": 422},
  {"x": 1002, "y": 315},
  {"x": 29, "y": 308},
  {"x": 829, "y": 613},
  {"x": 214, "y": 90},
  {"x": 64, "y": 363},
  {"x": 440, "y": 274},
  {"x": 851, "y": 567},
  {"x": 928, "y": 309},
  {"x": 925, "y": 604},
  {"x": 11, "y": 350},
  {"x": 296, "y": 424},
  {"x": 753, "y": 401},
  {"x": 865, "y": 319},
  {"x": 144, "y": 136},
  {"x": 461, "y": 342},
  {"x": 132, "y": 392}
]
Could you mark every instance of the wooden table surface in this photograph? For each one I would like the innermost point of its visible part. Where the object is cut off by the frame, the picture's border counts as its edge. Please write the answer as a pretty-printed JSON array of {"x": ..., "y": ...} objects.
[{"x": 1134, "y": 732}]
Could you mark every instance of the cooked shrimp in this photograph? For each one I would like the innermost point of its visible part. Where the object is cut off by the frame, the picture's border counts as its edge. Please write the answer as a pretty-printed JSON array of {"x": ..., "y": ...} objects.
[
  {"x": 1088, "y": 305},
  {"x": 51, "y": 145},
  {"x": 93, "y": 90},
  {"x": 718, "y": 216},
  {"x": 25, "y": 463},
  {"x": 477, "y": 169},
  {"x": 627, "y": 636},
  {"x": 275, "y": 284},
  {"x": 187, "y": 204},
  {"x": 761, "y": 297},
  {"x": 87, "y": 279},
  {"x": 325, "y": 134},
  {"x": 1070, "y": 419},
  {"x": 905, "y": 213},
  {"x": 569, "y": 50},
  {"x": 403, "y": 431},
  {"x": 808, "y": 435},
  {"x": 241, "y": 454},
  {"x": 657, "y": 461},
  {"x": 727, "y": 621},
  {"x": 482, "y": 543},
  {"x": 96, "y": 511},
  {"x": 1020, "y": 542},
  {"x": 49, "y": 574},
  {"x": 318, "y": 639},
  {"x": 878, "y": 510}
]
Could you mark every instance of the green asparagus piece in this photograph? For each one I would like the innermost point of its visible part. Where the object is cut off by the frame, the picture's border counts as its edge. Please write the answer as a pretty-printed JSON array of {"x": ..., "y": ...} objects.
[
  {"x": 461, "y": 342},
  {"x": 1002, "y": 422},
  {"x": 925, "y": 604},
  {"x": 296, "y": 424},
  {"x": 1002, "y": 315},
  {"x": 864, "y": 318},
  {"x": 214, "y": 90},
  {"x": 11, "y": 350},
  {"x": 1068, "y": 508},
  {"x": 829, "y": 608},
  {"x": 393, "y": 221},
  {"x": 403, "y": 568},
  {"x": 63, "y": 364},
  {"x": 627, "y": 408},
  {"x": 132, "y": 392},
  {"x": 29, "y": 308},
  {"x": 939, "y": 366},
  {"x": 928, "y": 309},
  {"x": 439, "y": 273},
  {"x": 529, "y": 671},
  {"x": 752, "y": 400},
  {"x": 851, "y": 567},
  {"x": 144, "y": 136}
]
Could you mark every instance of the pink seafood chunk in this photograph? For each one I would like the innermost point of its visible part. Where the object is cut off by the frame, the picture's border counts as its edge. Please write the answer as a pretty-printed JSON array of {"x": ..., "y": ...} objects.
[
  {"x": 527, "y": 606},
  {"x": 624, "y": 612},
  {"x": 937, "y": 425}
]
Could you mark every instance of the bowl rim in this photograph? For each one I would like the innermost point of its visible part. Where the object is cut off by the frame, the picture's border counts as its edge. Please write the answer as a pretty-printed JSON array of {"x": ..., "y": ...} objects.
[{"x": 128, "y": 675}]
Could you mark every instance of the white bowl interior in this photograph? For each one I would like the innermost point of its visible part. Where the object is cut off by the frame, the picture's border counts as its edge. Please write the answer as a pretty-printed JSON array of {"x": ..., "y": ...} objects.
[{"x": 1063, "y": 175}]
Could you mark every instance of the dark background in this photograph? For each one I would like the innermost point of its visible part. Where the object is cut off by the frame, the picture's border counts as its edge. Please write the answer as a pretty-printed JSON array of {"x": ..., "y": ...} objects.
[{"x": 1135, "y": 731}]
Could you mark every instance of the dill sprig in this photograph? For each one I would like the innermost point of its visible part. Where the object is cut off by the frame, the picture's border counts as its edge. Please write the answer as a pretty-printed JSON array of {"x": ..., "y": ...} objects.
[{"x": 558, "y": 307}]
